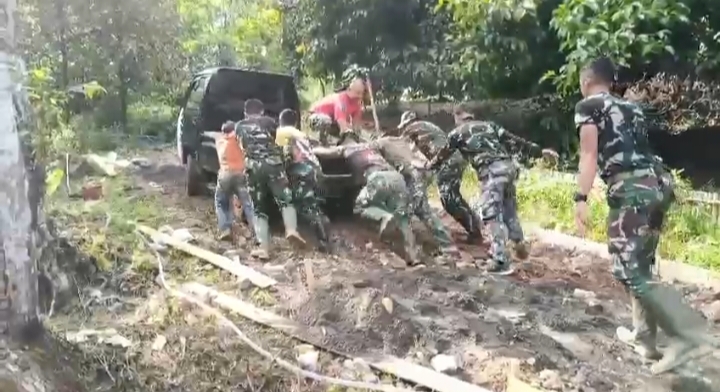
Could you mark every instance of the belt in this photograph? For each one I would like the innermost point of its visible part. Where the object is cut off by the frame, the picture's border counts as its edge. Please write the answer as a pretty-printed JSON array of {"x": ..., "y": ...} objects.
[{"x": 631, "y": 174}]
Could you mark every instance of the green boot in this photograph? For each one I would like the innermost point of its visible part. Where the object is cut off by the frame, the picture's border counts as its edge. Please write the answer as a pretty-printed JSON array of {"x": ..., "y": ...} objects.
[
  {"x": 379, "y": 215},
  {"x": 289, "y": 215},
  {"x": 643, "y": 337},
  {"x": 681, "y": 323},
  {"x": 409, "y": 241},
  {"x": 262, "y": 231}
]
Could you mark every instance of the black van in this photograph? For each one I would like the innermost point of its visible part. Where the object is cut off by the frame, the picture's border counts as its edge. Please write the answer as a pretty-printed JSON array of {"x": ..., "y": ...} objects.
[{"x": 218, "y": 95}]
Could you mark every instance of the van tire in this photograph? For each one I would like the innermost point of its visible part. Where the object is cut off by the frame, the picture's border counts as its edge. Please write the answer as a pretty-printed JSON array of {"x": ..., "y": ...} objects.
[{"x": 194, "y": 183}]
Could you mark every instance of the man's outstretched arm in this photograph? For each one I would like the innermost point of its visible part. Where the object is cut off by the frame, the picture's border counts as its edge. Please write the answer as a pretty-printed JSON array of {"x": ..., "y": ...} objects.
[{"x": 328, "y": 152}]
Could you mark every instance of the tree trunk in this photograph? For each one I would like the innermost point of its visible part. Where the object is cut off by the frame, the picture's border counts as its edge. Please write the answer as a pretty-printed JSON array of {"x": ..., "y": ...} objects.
[
  {"x": 18, "y": 289},
  {"x": 20, "y": 371}
]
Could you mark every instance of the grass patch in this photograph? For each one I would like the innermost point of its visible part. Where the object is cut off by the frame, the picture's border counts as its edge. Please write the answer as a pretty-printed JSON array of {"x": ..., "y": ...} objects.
[
  {"x": 103, "y": 228},
  {"x": 691, "y": 232}
]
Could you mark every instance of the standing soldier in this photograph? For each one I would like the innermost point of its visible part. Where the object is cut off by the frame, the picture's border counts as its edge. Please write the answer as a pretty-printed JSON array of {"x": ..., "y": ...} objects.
[
  {"x": 231, "y": 181},
  {"x": 342, "y": 111},
  {"x": 613, "y": 138},
  {"x": 429, "y": 138},
  {"x": 482, "y": 143},
  {"x": 384, "y": 198},
  {"x": 302, "y": 169},
  {"x": 266, "y": 175},
  {"x": 411, "y": 164}
]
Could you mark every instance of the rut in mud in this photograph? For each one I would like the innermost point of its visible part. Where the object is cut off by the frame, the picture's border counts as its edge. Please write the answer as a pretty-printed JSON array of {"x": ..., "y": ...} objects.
[{"x": 555, "y": 319}]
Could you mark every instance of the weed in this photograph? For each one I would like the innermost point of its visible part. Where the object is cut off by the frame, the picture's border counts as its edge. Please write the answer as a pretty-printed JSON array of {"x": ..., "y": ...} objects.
[{"x": 690, "y": 235}]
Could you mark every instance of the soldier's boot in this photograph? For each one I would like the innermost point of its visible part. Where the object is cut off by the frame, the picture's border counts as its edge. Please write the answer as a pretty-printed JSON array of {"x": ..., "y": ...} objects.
[
  {"x": 321, "y": 232},
  {"x": 680, "y": 322},
  {"x": 409, "y": 241},
  {"x": 289, "y": 215},
  {"x": 379, "y": 215},
  {"x": 262, "y": 233},
  {"x": 643, "y": 337}
]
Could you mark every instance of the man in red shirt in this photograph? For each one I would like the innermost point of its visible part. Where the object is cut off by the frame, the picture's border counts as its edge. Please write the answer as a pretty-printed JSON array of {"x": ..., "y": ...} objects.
[{"x": 341, "y": 111}]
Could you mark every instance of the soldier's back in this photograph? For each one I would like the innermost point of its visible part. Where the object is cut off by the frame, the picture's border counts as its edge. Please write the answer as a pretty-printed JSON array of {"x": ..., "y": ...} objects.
[
  {"x": 427, "y": 136},
  {"x": 480, "y": 142},
  {"x": 258, "y": 139},
  {"x": 623, "y": 143}
]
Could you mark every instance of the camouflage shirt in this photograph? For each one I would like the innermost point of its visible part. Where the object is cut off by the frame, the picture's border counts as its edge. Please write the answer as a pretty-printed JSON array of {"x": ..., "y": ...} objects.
[
  {"x": 257, "y": 134},
  {"x": 480, "y": 142},
  {"x": 429, "y": 139},
  {"x": 622, "y": 133}
]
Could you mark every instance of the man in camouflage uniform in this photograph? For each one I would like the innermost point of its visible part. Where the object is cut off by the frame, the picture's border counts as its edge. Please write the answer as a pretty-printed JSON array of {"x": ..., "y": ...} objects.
[
  {"x": 266, "y": 175},
  {"x": 302, "y": 169},
  {"x": 429, "y": 138},
  {"x": 613, "y": 138},
  {"x": 384, "y": 198},
  {"x": 482, "y": 143},
  {"x": 411, "y": 164}
]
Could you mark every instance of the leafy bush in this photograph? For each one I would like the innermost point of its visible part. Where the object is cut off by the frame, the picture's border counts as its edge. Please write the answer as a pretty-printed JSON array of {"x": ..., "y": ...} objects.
[
  {"x": 152, "y": 117},
  {"x": 690, "y": 235}
]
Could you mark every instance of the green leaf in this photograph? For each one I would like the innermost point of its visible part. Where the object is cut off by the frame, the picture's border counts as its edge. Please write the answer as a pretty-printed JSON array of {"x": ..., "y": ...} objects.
[
  {"x": 549, "y": 75},
  {"x": 53, "y": 181}
]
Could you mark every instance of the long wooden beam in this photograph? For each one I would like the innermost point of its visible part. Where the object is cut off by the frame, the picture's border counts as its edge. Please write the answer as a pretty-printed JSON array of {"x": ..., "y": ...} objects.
[{"x": 235, "y": 268}]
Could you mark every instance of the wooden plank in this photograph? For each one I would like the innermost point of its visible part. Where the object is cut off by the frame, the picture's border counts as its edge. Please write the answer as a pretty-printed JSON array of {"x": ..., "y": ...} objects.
[
  {"x": 235, "y": 268},
  {"x": 402, "y": 369},
  {"x": 514, "y": 384}
]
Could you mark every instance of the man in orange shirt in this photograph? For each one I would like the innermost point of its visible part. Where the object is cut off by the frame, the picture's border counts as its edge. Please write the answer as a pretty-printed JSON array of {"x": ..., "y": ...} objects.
[
  {"x": 341, "y": 111},
  {"x": 231, "y": 181}
]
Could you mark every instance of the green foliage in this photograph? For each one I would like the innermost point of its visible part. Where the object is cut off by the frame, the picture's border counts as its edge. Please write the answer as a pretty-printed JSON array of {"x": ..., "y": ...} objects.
[
  {"x": 106, "y": 228},
  {"x": 152, "y": 117},
  {"x": 690, "y": 235},
  {"x": 238, "y": 33},
  {"x": 53, "y": 137},
  {"x": 53, "y": 180},
  {"x": 620, "y": 29}
]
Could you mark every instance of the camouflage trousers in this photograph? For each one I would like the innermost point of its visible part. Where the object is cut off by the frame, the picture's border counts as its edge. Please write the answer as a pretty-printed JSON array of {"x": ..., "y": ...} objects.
[
  {"x": 323, "y": 125},
  {"x": 637, "y": 208},
  {"x": 420, "y": 206},
  {"x": 385, "y": 193},
  {"x": 267, "y": 179},
  {"x": 498, "y": 207},
  {"x": 449, "y": 176},
  {"x": 303, "y": 182}
]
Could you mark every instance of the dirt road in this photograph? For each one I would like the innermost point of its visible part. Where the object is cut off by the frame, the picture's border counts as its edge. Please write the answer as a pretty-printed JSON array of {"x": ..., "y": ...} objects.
[{"x": 554, "y": 320}]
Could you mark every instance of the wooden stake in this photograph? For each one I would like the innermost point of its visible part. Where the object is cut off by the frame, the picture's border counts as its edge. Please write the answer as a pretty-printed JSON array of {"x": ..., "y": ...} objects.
[
  {"x": 235, "y": 268},
  {"x": 372, "y": 106}
]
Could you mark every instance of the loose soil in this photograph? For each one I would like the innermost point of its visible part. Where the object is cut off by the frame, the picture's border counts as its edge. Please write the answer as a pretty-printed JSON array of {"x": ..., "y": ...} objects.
[{"x": 559, "y": 312}]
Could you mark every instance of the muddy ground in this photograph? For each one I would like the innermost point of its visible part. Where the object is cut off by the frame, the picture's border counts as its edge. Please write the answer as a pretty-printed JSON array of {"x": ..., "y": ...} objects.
[{"x": 554, "y": 320}]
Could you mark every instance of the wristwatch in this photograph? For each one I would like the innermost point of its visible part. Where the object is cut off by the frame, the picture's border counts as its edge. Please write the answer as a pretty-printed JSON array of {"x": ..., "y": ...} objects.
[{"x": 579, "y": 197}]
